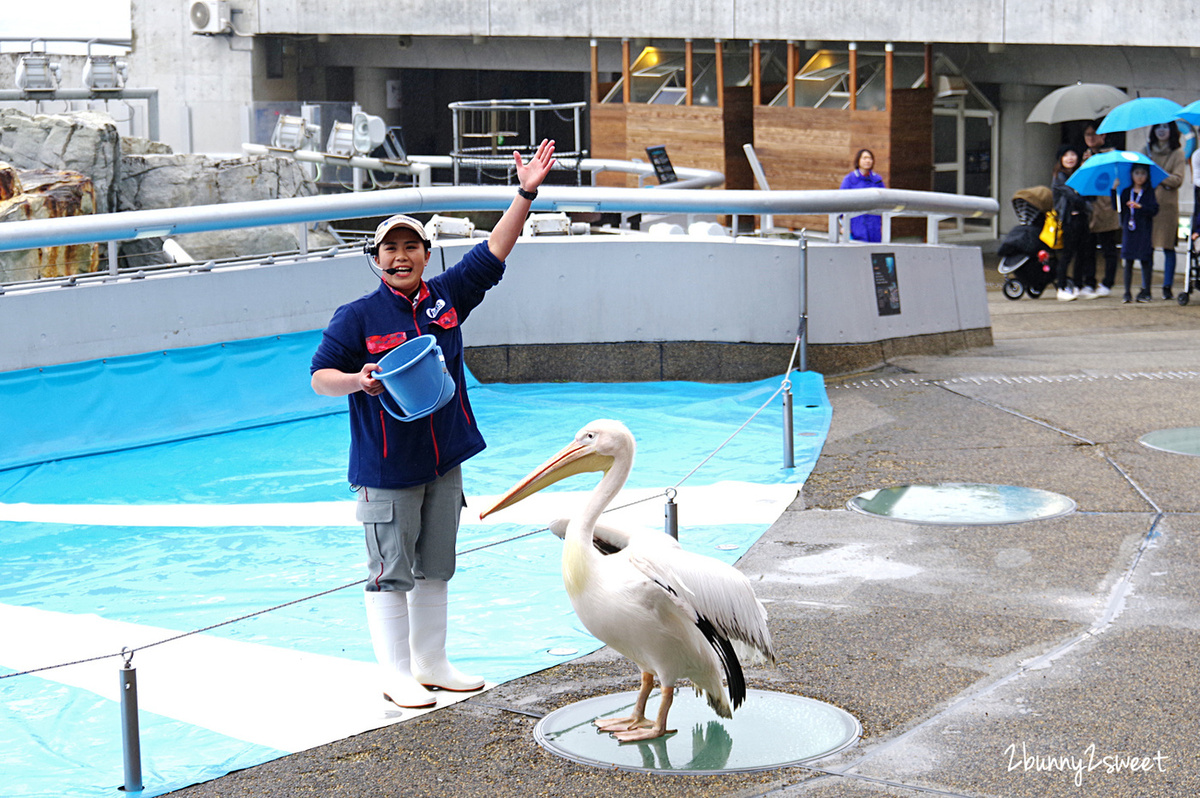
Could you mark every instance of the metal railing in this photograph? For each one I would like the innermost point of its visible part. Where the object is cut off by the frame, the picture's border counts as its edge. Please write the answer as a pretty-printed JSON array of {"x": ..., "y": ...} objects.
[
  {"x": 308, "y": 210},
  {"x": 420, "y": 167}
]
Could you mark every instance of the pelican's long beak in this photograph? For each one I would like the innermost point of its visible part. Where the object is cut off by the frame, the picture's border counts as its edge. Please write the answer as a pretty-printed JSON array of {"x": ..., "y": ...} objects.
[{"x": 576, "y": 458}]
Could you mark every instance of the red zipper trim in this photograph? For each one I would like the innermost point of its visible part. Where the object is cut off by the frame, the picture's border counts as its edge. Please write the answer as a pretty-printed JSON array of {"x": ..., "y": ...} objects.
[
  {"x": 463, "y": 407},
  {"x": 437, "y": 457},
  {"x": 383, "y": 429}
]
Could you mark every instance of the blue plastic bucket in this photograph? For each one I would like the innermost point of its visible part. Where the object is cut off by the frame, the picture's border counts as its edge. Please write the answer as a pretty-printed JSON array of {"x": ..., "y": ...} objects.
[{"x": 415, "y": 379}]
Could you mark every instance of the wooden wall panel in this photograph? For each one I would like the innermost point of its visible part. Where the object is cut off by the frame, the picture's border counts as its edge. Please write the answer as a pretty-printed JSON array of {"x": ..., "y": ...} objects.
[
  {"x": 739, "y": 130},
  {"x": 813, "y": 148},
  {"x": 912, "y": 143},
  {"x": 912, "y": 135},
  {"x": 694, "y": 136},
  {"x": 800, "y": 148},
  {"x": 608, "y": 141}
]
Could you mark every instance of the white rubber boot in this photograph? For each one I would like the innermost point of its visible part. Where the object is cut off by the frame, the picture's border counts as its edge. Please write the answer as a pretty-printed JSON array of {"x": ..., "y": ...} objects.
[
  {"x": 387, "y": 618},
  {"x": 427, "y": 615}
]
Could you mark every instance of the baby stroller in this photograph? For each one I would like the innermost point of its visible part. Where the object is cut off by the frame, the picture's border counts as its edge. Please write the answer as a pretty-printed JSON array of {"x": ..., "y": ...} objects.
[
  {"x": 1191, "y": 280},
  {"x": 1025, "y": 261}
]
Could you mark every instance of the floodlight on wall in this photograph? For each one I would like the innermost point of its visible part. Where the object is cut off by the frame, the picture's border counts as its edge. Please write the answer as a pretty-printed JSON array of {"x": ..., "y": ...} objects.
[
  {"x": 36, "y": 72},
  {"x": 293, "y": 133},
  {"x": 209, "y": 17},
  {"x": 341, "y": 140},
  {"x": 104, "y": 73}
]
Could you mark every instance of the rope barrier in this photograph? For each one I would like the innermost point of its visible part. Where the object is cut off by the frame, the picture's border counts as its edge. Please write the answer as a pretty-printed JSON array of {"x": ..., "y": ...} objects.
[{"x": 128, "y": 653}]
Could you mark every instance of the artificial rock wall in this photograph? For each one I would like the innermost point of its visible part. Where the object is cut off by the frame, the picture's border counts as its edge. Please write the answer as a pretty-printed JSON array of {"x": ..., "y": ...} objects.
[
  {"x": 77, "y": 163},
  {"x": 45, "y": 194}
]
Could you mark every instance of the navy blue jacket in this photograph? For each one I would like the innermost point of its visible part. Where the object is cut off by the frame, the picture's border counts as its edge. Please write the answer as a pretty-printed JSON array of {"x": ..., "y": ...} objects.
[
  {"x": 1137, "y": 244},
  {"x": 384, "y": 452}
]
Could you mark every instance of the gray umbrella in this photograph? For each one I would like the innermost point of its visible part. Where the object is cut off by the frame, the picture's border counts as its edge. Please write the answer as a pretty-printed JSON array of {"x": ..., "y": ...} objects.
[{"x": 1076, "y": 102}]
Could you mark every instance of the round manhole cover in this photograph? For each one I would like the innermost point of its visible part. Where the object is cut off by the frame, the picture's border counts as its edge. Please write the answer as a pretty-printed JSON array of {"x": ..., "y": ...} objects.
[
  {"x": 1181, "y": 440},
  {"x": 962, "y": 504},
  {"x": 770, "y": 730}
]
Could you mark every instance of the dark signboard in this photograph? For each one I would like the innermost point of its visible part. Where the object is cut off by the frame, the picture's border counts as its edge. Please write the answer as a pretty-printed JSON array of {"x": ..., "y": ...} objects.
[
  {"x": 662, "y": 164},
  {"x": 887, "y": 286}
]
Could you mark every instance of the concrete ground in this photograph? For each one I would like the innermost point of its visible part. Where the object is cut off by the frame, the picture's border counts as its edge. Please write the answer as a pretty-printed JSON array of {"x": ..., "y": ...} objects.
[{"x": 1050, "y": 658}]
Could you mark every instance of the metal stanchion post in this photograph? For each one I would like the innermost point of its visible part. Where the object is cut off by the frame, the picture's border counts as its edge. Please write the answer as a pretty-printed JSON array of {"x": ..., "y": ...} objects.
[
  {"x": 789, "y": 454},
  {"x": 671, "y": 515},
  {"x": 803, "y": 325},
  {"x": 130, "y": 739}
]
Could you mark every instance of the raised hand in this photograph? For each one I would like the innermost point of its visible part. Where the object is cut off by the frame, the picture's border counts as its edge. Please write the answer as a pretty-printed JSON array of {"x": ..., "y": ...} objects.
[{"x": 530, "y": 175}]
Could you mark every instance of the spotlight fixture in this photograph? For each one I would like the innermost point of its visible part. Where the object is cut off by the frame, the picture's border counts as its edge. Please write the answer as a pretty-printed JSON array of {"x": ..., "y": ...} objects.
[
  {"x": 341, "y": 140},
  {"x": 104, "y": 73},
  {"x": 293, "y": 133},
  {"x": 36, "y": 72},
  {"x": 358, "y": 137},
  {"x": 369, "y": 132}
]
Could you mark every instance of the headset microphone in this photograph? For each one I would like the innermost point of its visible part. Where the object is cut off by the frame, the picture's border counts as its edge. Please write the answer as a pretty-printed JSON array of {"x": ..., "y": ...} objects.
[
  {"x": 371, "y": 250},
  {"x": 372, "y": 253}
]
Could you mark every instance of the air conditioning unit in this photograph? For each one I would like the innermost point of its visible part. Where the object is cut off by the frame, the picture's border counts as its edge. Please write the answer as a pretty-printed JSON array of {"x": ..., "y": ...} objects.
[{"x": 209, "y": 17}]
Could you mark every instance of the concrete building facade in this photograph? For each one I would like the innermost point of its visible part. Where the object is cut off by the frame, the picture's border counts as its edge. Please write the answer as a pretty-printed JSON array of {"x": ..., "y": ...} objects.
[{"x": 405, "y": 61}]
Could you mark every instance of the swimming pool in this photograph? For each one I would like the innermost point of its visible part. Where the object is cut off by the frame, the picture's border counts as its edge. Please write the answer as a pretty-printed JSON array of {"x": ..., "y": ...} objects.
[{"x": 149, "y": 496}]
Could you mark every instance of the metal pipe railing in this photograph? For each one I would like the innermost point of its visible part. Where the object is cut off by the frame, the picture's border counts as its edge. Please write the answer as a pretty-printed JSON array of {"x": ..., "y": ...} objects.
[
  {"x": 421, "y": 172},
  {"x": 149, "y": 95},
  {"x": 305, "y": 210}
]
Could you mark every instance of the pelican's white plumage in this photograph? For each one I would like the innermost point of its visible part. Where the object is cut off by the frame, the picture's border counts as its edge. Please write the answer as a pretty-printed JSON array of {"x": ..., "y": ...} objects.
[{"x": 676, "y": 614}]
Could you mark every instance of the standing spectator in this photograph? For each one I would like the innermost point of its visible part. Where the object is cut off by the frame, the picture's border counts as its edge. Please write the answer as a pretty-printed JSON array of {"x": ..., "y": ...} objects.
[
  {"x": 1163, "y": 147},
  {"x": 866, "y": 227},
  {"x": 1103, "y": 231},
  {"x": 1072, "y": 217},
  {"x": 1137, "y": 207}
]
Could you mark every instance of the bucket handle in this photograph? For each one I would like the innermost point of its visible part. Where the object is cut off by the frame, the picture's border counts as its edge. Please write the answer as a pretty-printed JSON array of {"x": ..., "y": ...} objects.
[
  {"x": 393, "y": 409},
  {"x": 396, "y": 412}
]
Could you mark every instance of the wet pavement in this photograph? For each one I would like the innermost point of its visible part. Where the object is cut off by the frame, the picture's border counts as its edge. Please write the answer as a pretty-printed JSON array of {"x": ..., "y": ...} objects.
[{"x": 1050, "y": 658}]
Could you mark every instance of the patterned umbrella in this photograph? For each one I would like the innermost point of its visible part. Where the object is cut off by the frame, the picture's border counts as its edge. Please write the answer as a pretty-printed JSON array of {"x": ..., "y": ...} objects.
[{"x": 1095, "y": 177}]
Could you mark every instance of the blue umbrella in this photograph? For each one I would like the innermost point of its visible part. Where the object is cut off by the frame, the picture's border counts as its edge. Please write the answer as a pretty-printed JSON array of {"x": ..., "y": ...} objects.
[
  {"x": 1095, "y": 177},
  {"x": 1190, "y": 113},
  {"x": 1142, "y": 112}
]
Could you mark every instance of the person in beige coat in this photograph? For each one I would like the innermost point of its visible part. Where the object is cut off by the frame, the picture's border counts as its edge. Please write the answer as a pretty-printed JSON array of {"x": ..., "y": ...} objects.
[{"x": 1163, "y": 147}]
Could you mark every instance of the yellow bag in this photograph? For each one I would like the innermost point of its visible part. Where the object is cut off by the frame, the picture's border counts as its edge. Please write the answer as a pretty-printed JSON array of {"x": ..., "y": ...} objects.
[{"x": 1051, "y": 234}]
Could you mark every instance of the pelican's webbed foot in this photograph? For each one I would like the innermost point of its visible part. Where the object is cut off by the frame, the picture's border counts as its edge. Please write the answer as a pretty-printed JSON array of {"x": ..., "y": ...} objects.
[
  {"x": 622, "y": 724},
  {"x": 635, "y": 735}
]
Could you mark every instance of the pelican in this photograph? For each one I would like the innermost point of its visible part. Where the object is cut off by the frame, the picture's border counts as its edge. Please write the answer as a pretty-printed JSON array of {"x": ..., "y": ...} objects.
[{"x": 676, "y": 614}]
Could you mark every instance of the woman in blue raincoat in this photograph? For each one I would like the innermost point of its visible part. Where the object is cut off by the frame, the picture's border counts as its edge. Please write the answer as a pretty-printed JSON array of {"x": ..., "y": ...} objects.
[{"x": 867, "y": 227}]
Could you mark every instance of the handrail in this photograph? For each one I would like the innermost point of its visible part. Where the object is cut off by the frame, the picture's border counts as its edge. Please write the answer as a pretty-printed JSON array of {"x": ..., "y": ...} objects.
[
  {"x": 420, "y": 166},
  {"x": 305, "y": 210}
]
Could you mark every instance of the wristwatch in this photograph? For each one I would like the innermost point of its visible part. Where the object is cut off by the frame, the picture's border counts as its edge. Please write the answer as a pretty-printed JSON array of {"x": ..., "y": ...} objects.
[{"x": 529, "y": 195}]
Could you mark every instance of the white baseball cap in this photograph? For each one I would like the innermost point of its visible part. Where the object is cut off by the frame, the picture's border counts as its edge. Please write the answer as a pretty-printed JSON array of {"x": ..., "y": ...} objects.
[{"x": 400, "y": 220}]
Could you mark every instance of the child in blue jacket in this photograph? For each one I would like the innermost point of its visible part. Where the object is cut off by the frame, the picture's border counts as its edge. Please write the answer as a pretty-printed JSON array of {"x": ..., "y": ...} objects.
[{"x": 1137, "y": 207}]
